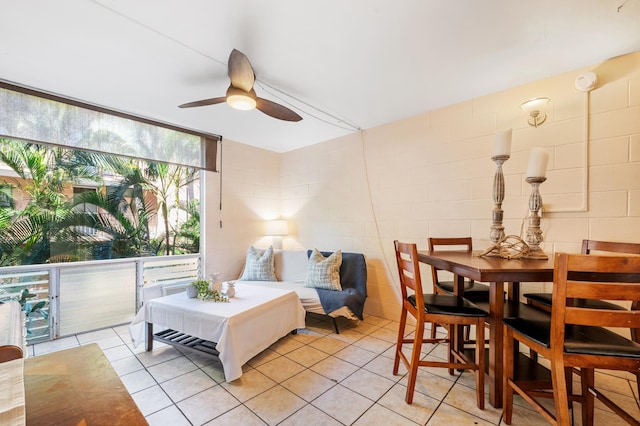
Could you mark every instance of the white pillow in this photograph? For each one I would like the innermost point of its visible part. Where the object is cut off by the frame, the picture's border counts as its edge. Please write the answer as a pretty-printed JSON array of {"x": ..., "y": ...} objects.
[
  {"x": 324, "y": 272},
  {"x": 291, "y": 265},
  {"x": 259, "y": 266}
]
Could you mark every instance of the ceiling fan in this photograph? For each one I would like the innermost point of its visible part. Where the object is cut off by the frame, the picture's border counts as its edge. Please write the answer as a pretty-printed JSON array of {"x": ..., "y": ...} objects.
[{"x": 240, "y": 94}]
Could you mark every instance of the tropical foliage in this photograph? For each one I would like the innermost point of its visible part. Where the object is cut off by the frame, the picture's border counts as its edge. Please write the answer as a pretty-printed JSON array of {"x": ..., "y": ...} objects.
[{"x": 41, "y": 220}]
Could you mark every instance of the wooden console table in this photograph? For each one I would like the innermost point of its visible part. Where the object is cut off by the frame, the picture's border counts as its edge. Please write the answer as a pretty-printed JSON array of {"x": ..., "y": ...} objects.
[{"x": 75, "y": 387}]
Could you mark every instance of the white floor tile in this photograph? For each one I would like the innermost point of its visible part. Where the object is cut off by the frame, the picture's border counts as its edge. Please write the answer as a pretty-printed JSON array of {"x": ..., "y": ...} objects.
[
  {"x": 151, "y": 400},
  {"x": 169, "y": 416},
  {"x": 342, "y": 404},
  {"x": 208, "y": 405},
  {"x": 315, "y": 377}
]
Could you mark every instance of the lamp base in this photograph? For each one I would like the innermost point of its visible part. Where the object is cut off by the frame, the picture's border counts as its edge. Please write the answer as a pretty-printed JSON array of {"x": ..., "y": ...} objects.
[
  {"x": 536, "y": 254},
  {"x": 277, "y": 243}
]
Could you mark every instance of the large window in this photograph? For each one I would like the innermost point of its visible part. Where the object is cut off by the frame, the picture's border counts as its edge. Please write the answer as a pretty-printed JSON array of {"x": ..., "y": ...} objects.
[
  {"x": 69, "y": 205},
  {"x": 80, "y": 182}
]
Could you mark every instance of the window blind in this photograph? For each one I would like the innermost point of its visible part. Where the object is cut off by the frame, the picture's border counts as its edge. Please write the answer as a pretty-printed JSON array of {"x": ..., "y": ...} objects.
[{"x": 39, "y": 117}]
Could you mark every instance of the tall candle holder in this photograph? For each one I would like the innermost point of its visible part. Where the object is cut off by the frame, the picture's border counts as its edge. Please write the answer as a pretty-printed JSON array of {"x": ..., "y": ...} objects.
[
  {"x": 534, "y": 233},
  {"x": 497, "y": 229}
]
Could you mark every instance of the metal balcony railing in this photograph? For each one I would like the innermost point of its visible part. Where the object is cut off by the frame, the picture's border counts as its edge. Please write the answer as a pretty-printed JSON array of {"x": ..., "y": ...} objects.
[{"x": 63, "y": 299}]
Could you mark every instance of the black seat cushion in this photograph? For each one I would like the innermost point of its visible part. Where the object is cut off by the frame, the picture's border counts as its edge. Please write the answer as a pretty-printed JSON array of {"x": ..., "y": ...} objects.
[
  {"x": 476, "y": 292},
  {"x": 448, "y": 305},
  {"x": 545, "y": 299},
  {"x": 596, "y": 341},
  {"x": 537, "y": 330}
]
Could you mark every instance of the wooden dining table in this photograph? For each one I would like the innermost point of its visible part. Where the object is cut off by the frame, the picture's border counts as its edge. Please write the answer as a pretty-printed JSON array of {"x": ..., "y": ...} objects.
[{"x": 501, "y": 274}]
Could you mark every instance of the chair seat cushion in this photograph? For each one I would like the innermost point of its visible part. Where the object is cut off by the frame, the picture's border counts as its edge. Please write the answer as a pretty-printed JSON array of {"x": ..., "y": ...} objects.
[
  {"x": 545, "y": 299},
  {"x": 445, "y": 304},
  {"x": 597, "y": 341},
  {"x": 473, "y": 291},
  {"x": 537, "y": 330}
]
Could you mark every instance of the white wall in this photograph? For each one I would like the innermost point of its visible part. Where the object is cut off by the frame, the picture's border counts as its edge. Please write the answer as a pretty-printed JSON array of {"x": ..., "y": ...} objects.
[
  {"x": 431, "y": 175},
  {"x": 250, "y": 196}
]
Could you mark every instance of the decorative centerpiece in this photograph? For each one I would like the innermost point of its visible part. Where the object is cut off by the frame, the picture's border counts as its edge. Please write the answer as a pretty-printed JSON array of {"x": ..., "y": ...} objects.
[
  {"x": 231, "y": 289},
  {"x": 215, "y": 284},
  {"x": 206, "y": 294}
]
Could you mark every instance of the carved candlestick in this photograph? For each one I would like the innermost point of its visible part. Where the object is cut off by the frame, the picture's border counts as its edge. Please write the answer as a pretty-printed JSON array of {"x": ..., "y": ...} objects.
[
  {"x": 534, "y": 233},
  {"x": 497, "y": 230}
]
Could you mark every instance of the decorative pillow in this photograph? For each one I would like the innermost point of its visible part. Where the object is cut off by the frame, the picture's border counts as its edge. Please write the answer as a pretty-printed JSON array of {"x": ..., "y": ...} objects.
[
  {"x": 324, "y": 272},
  {"x": 259, "y": 265}
]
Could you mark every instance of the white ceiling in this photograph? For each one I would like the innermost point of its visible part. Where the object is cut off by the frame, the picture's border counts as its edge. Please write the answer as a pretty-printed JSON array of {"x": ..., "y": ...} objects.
[{"x": 362, "y": 62}]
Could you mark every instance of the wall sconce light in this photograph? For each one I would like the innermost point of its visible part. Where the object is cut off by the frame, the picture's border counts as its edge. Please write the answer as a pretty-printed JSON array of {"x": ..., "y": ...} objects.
[
  {"x": 533, "y": 107},
  {"x": 277, "y": 229}
]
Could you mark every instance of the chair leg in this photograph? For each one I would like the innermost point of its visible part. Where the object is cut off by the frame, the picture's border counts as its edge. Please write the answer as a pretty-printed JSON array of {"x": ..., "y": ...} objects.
[
  {"x": 480, "y": 364},
  {"x": 533, "y": 355},
  {"x": 587, "y": 380},
  {"x": 453, "y": 340},
  {"x": 401, "y": 328},
  {"x": 335, "y": 325},
  {"x": 560, "y": 392},
  {"x": 434, "y": 326},
  {"x": 507, "y": 390},
  {"x": 635, "y": 336},
  {"x": 568, "y": 379},
  {"x": 415, "y": 359}
]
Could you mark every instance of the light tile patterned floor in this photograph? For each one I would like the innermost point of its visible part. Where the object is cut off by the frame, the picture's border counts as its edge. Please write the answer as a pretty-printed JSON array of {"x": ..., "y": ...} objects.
[{"x": 315, "y": 377}]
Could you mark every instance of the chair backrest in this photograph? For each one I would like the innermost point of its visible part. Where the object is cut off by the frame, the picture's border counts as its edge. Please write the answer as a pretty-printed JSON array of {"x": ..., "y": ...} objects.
[
  {"x": 593, "y": 277},
  {"x": 614, "y": 247},
  {"x": 409, "y": 271},
  {"x": 458, "y": 243},
  {"x": 609, "y": 246}
]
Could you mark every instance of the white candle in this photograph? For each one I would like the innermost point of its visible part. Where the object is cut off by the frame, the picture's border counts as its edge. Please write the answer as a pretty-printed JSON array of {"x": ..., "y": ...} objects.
[
  {"x": 537, "y": 162},
  {"x": 503, "y": 143}
]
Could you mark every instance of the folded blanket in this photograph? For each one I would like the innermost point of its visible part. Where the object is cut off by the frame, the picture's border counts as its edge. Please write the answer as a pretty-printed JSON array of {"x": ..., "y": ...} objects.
[{"x": 353, "y": 279}]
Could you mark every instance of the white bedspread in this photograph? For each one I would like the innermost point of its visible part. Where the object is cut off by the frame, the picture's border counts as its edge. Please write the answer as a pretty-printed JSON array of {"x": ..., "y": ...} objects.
[{"x": 254, "y": 319}]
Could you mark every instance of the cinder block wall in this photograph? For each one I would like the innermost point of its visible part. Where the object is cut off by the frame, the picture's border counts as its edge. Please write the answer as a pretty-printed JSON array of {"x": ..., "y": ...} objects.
[{"x": 431, "y": 175}]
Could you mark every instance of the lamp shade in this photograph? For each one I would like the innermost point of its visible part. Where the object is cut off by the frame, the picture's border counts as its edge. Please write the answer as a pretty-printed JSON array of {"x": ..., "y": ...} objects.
[
  {"x": 534, "y": 104},
  {"x": 277, "y": 228}
]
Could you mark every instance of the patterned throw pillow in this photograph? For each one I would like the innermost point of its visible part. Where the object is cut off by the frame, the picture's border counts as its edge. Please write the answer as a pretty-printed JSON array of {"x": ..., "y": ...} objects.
[
  {"x": 324, "y": 272},
  {"x": 259, "y": 266}
]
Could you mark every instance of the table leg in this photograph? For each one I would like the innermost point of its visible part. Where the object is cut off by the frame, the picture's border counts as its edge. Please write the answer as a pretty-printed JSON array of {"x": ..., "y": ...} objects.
[
  {"x": 513, "y": 291},
  {"x": 496, "y": 312},
  {"x": 149, "y": 336},
  {"x": 458, "y": 334}
]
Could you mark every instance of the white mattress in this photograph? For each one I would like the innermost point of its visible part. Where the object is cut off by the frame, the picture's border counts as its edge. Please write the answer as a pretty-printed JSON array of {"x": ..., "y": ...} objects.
[{"x": 308, "y": 297}]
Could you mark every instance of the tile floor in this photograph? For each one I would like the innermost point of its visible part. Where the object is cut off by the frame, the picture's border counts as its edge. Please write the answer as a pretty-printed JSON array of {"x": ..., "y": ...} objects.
[{"x": 315, "y": 377}]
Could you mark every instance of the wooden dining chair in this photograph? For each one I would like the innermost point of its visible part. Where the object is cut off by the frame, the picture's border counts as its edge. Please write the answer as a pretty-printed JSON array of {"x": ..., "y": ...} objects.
[
  {"x": 578, "y": 337},
  {"x": 544, "y": 300},
  {"x": 438, "y": 308},
  {"x": 473, "y": 291}
]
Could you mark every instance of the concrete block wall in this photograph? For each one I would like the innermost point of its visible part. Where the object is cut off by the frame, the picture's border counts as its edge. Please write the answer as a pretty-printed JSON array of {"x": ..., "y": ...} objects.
[
  {"x": 250, "y": 196},
  {"x": 431, "y": 175}
]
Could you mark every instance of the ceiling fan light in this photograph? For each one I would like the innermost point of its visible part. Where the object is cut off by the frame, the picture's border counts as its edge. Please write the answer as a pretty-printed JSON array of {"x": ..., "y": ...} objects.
[
  {"x": 241, "y": 102},
  {"x": 240, "y": 99}
]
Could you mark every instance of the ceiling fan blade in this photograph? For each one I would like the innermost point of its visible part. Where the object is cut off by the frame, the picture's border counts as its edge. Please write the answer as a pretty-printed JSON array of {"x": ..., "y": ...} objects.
[
  {"x": 240, "y": 71},
  {"x": 276, "y": 110},
  {"x": 203, "y": 102}
]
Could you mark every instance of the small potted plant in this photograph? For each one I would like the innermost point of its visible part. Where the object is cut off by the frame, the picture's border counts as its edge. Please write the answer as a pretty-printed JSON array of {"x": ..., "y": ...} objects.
[{"x": 192, "y": 291}]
